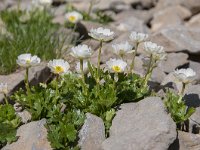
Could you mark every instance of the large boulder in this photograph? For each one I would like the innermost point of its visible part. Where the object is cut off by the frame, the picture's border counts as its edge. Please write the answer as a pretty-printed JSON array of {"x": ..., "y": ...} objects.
[
  {"x": 92, "y": 133},
  {"x": 169, "y": 16},
  {"x": 144, "y": 125},
  {"x": 178, "y": 38},
  {"x": 32, "y": 136}
]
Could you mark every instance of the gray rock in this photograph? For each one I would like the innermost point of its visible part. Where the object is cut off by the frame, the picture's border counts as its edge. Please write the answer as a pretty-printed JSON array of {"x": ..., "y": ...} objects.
[
  {"x": 196, "y": 67},
  {"x": 15, "y": 80},
  {"x": 119, "y": 6},
  {"x": 92, "y": 134},
  {"x": 131, "y": 23},
  {"x": 193, "y": 5},
  {"x": 59, "y": 19},
  {"x": 173, "y": 61},
  {"x": 158, "y": 75},
  {"x": 171, "y": 82},
  {"x": 192, "y": 99},
  {"x": 143, "y": 15},
  {"x": 138, "y": 128},
  {"x": 192, "y": 95},
  {"x": 194, "y": 22},
  {"x": 24, "y": 115},
  {"x": 32, "y": 136},
  {"x": 169, "y": 16},
  {"x": 188, "y": 141},
  {"x": 178, "y": 38}
]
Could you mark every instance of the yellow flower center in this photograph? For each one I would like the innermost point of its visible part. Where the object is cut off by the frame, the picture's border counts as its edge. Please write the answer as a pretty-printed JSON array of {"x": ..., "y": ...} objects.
[
  {"x": 28, "y": 61},
  {"x": 116, "y": 68},
  {"x": 59, "y": 69},
  {"x": 72, "y": 18}
]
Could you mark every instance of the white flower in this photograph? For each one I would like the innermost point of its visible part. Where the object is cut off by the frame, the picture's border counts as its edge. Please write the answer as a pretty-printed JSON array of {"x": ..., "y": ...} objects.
[
  {"x": 101, "y": 34},
  {"x": 59, "y": 66},
  {"x": 74, "y": 17},
  {"x": 81, "y": 51},
  {"x": 185, "y": 75},
  {"x": 122, "y": 48},
  {"x": 138, "y": 37},
  {"x": 155, "y": 50},
  {"x": 116, "y": 65},
  {"x": 4, "y": 88},
  {"x": 41, "y": 3},
  {"x": 46, "y": 2},
  {"x": 26, "y": 60},
  {"x": 85, "y": 67}
]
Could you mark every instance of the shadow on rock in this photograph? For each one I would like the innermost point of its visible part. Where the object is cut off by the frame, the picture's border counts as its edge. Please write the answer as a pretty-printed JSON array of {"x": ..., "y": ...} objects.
[{"x": 192, "y": 100}]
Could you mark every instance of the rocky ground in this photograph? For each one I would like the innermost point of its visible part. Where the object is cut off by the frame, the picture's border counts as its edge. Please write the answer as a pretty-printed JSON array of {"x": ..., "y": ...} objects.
[{"x": 174, "y": 24}]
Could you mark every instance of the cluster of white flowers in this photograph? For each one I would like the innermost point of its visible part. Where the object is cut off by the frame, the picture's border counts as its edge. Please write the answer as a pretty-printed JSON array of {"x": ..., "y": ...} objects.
[
  {"x": 185, "y": 75},
  {"x": 74, "y": 17},
  {"x": 83, "y": 52}
]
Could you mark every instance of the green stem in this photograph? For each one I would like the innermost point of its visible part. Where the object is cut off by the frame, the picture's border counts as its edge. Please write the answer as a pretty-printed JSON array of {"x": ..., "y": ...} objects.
[
  {"x": 133, "y": 60},
  {"x": 181, "y": 94},
  {"x": 57, "y": 79},
  {"x": 90, "y": 9},
  {"x": 26, "y": 81},
  {"x": 81, "y": 68},
  {"x": 99, "y": 60},
  {"x": 149, "y": 71},
  {"x": 18, "y": 5},
  {"x": 6, "y": 99}
]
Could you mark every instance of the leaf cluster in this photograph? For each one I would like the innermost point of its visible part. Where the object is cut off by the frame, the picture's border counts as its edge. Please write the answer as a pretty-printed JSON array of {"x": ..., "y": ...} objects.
[
  {"x": 176, "y": 106},
  {"x": 65, "y": 112},
  {"x": 9, "y": 122}
]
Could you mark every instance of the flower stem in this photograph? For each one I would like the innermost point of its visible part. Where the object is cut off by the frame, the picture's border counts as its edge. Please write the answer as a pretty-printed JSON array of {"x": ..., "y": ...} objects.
[
  {"x": 90, "y": 9},
  {"x": 26, "y": 81},
  {"x": 181, "y": 94},
  {"x": 149, "y": 71},
  {"x": 99, "y": 60},
  {"x": 133, "y": 60},
  {"x": 6, "y": 99},
  {"x": 81, "y": 68},
  {"x": 57, "y": 79}
]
